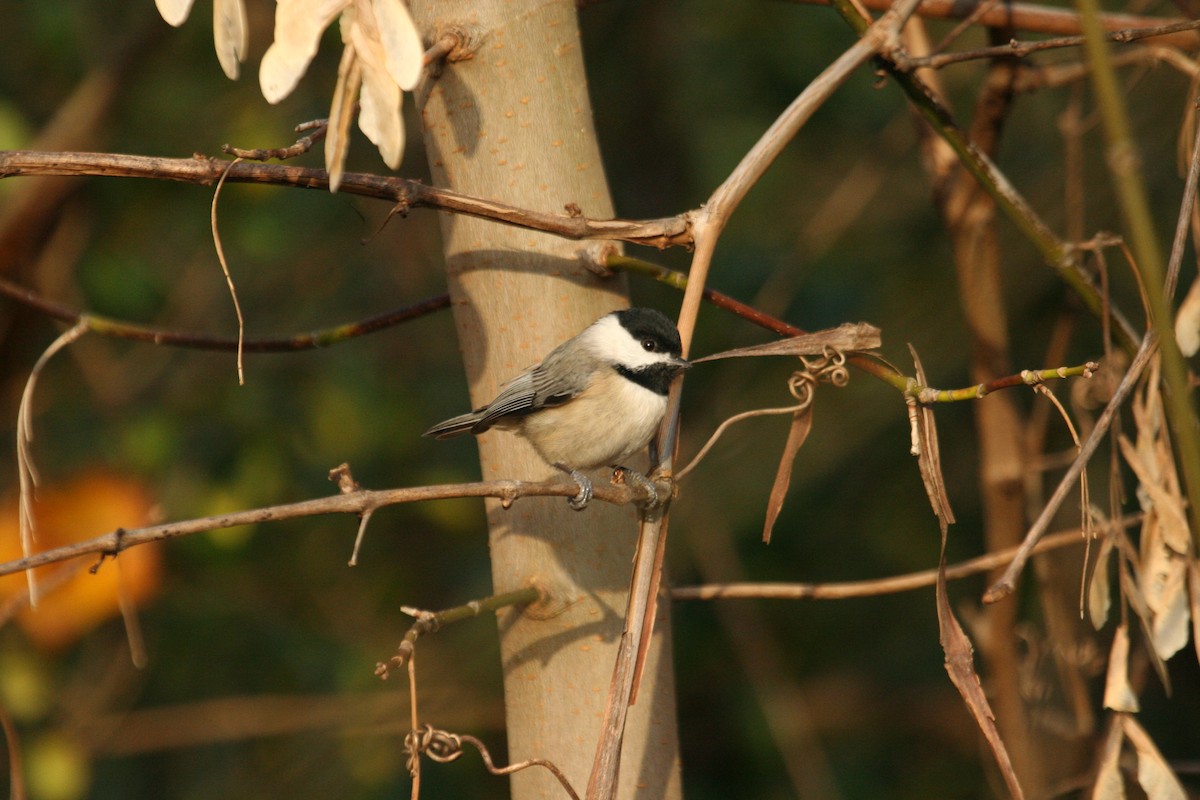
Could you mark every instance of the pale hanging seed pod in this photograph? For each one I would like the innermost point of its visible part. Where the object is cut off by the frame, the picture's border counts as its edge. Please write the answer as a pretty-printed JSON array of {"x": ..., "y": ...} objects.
[
  {"x": 231, "y": 31},
  {"x": 231, "y": 35}
]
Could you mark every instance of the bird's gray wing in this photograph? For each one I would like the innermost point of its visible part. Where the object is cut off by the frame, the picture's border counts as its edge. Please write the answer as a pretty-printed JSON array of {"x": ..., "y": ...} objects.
[{"x": 551, "y": 383}]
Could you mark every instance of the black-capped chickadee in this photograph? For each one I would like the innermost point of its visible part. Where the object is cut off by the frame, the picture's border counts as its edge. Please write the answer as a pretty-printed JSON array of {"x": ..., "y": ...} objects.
[{"x": 596, "y": 400}]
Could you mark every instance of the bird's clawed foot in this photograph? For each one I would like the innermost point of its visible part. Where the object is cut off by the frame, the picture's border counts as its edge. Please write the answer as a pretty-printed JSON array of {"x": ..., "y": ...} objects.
[
  {"x": 627, "y": 475},
  {"x": 579, "y": 501}
]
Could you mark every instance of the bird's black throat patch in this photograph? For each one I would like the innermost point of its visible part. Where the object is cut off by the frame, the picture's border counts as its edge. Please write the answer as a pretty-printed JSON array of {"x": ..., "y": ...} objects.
[{"x": 656, "y": 377}]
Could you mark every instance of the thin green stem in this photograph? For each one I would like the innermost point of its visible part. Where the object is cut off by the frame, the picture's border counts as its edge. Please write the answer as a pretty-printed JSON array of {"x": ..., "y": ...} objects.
[{"x": 870, "y": 364}]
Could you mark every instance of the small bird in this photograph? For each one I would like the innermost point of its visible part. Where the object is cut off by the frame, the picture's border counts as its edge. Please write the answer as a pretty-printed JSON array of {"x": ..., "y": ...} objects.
[{"x": 596, "y": 400}]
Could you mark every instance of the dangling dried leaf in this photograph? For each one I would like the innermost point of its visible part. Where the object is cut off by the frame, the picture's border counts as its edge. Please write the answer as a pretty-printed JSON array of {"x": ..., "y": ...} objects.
[
  {"x": 175, "y": 12},
  {"x": 1131, "y": 591},
  {"x": 1109, "y": 783},
  {"x": 1099, "y": 596},
  {"x": 1153, "y": 772},
  {"x": 1187, "y": 321},
  {"x": 959, "y": 654},
  {"x": 1163, "y": 570},
  {"x": 797, "y": 434},
  {"x": 1168, "y": 601},
  {"x": 1166, "y": 539},
  {"x": 960, "y": 665},
  {"x": 231, "y": 35},
  {"x": 929, "y": 457},
  {"x": 850, "y": 336},
  {"x": 1118, "y": 694}
]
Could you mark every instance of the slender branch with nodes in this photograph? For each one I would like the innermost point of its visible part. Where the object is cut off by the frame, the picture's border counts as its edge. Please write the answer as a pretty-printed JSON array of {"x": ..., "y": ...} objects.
[
  {"x": 406, "y": 194},
  {"x": 362, "y": 501},
  {"x": 432, "y": 621},
  {"x": 880, "y": 586}
]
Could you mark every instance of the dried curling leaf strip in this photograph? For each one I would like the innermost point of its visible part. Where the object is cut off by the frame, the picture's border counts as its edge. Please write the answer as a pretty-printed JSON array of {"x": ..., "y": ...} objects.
[
  {"x": 849, "y": 336},
  {"x": 802, "y": 422}
]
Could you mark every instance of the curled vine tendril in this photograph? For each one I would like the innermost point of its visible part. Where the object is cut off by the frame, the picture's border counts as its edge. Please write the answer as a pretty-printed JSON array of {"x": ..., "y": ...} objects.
[
  {"x": 445, "y": 747},
  {"x": 829, "y": 367}
]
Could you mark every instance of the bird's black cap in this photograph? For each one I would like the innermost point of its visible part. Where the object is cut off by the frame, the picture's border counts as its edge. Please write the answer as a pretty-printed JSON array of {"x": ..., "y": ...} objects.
[{"x": 649, "y": 323}]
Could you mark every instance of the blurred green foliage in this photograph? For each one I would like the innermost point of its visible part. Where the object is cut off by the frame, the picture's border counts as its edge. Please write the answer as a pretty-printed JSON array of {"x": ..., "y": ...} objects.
[{"x": 681, "y": 90}]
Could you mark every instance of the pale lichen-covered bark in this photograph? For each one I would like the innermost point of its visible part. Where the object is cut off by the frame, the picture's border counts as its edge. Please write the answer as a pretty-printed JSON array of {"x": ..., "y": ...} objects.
[{"x": 513, "y": 123}]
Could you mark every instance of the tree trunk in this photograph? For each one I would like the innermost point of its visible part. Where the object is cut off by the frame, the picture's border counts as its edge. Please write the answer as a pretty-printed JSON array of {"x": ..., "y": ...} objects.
[{"x": 513, "y": 123}]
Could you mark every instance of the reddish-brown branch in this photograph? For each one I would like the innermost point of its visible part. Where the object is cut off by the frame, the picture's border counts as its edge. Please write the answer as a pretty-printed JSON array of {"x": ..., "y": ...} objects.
[
  {"x": 1035, "y": 18},
  {"x": 120, "y": 329}
]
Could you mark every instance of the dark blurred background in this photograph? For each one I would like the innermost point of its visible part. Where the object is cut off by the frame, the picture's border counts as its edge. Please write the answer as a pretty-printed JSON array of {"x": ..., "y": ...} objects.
[{"x": 261, "y": 642}]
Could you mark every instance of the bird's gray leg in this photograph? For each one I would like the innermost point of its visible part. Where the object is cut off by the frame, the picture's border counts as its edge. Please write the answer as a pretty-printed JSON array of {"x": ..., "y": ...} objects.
[
  {"x": 579, "y": 501},
  {"x": 642, "y": 482}
]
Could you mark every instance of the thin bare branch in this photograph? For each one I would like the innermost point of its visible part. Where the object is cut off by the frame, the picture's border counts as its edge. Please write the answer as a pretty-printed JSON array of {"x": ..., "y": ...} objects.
[
  {"x": 1018, "y": 49},
  {"x": 360, "y": 502},
  {"x": 880, "y": 586},
  {"x": 407, "y": 194}
]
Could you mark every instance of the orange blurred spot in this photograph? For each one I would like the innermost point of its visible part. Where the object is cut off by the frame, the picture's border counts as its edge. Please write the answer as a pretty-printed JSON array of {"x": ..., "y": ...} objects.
[{"x": 90, "y": 506}]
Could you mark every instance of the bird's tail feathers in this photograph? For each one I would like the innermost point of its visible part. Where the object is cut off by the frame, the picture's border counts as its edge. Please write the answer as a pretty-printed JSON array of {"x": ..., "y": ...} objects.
[{"x": 455, "y": 426}]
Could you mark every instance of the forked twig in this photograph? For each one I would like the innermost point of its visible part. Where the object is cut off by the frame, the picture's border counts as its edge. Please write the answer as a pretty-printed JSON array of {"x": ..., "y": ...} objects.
[
  {"x": 1007, "y": 583},
  {"x": 432, "y": 621}
]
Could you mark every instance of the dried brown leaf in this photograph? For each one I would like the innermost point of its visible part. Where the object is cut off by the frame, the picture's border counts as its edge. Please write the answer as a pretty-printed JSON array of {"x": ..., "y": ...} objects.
[
  {"x": 1169, "y": 603},
  {"x": 929, "y": 457},
  {"x": 1153, "y": 772},
  {"x": 845, "y": 337},
  {"x": 1158, "y": 493},
  {"x": 1132, "y": 593},
  {"x": 802, "y": 422},
  {"x": 960, "y": 665},
  {"x": 1109, "y": 783},
  {"x": 1165, "y": 545},
  {"x": 956, "y": 647},
  {"x": 1099, "y": 596},
  {"x": 1187, "y": 321},
  {"x": 1118, "y": 694},
  {"x": 1194, "y": 600}
]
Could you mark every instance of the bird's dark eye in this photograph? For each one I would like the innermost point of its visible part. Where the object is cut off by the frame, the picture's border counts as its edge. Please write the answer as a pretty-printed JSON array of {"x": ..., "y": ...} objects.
[{"x": 649, "y": 345}]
